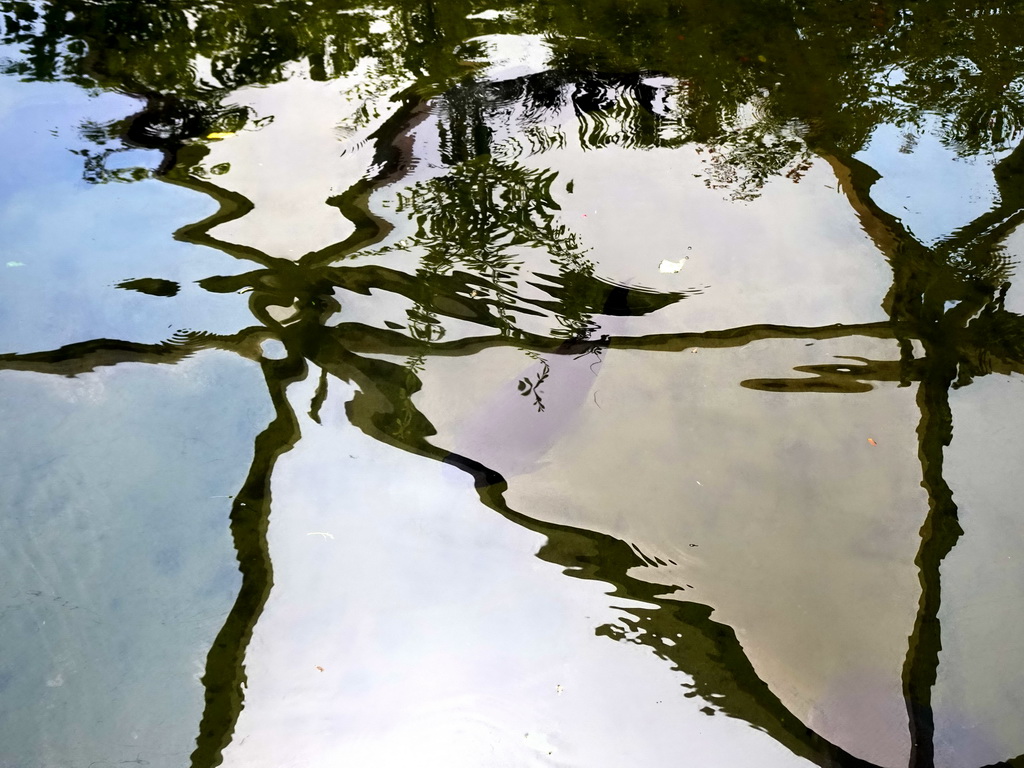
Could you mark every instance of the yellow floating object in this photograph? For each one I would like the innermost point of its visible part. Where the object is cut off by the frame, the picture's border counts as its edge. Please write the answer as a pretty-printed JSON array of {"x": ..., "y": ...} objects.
[{"x": 220, "y": 135}]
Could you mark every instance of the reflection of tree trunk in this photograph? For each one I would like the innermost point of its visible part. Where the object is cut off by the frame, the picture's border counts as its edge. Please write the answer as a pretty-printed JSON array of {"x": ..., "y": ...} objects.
[
  {"x": 915, "y": 268},
  {"x": 966, "y": 268},
  {"x": 968, "y": 262},
  {"x": 701, "y": 647},
  {"x": 909, "y": 259},
  {"x": 939, "y": 535},
  {"x": 393, "y": 160},
  {"x": 225, "y": 664},
  {"x": 232, "y": 206},
  {"x": 986, "y": 232},
  {"x": 855, "y": 179},
  {"x": 384, "y": 409}
]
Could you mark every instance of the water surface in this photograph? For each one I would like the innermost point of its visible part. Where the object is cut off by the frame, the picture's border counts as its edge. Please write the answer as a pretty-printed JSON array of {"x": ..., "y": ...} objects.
[{"x": 531, "y": 384}]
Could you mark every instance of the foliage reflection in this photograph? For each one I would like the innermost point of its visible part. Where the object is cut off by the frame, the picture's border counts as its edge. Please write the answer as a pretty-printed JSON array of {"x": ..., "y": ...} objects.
[{"x": 763, "y": 89}]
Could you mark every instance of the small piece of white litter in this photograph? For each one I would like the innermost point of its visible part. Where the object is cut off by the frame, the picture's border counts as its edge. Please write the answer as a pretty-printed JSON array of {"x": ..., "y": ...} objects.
[
  {"x": 670, "y": 267},
  {"x": 325, "y": 534},
  {"x": 15, "y": 264},
  {"x": 488, "y": 15}
]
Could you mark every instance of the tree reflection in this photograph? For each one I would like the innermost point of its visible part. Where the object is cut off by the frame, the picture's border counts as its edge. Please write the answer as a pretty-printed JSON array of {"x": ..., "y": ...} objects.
[
  {"x": 762, "y": 88},
  {"x": 828, "y": 73}
]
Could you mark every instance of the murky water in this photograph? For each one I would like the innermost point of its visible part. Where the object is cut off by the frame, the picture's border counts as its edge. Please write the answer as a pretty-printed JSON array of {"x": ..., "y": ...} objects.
[{"x": 537, "y": 384}]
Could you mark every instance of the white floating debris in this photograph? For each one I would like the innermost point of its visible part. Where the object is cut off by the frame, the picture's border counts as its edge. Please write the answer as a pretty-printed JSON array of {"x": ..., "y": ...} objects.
[
  {"x": 490, "y": 15},
  {"x": 671, "y": 267},
  {"x": 15, "y": 264},
  {"x": 325, "y": 534}
]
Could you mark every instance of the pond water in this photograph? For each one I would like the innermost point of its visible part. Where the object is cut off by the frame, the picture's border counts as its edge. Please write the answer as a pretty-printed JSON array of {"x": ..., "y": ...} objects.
[{"x": 452, "y": 384}]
